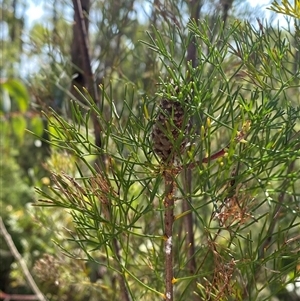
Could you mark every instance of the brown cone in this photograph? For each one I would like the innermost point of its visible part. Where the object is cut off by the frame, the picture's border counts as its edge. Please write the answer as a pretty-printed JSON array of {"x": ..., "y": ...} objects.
[{"x": 168, "y": 142}]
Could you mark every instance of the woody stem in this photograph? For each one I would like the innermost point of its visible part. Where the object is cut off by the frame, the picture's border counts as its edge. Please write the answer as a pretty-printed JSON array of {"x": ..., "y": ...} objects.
[{"x": 169, "y": 220}]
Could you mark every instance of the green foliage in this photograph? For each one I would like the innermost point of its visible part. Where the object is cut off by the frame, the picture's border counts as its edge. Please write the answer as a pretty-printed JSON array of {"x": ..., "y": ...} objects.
[
  {"x": 18, "y": 92},
  {"x": 241, "y": 95},
  {"x": 19, "y": 170},
  {"x": 15, "y": 108},
  {"x": 286, "y": 8}
]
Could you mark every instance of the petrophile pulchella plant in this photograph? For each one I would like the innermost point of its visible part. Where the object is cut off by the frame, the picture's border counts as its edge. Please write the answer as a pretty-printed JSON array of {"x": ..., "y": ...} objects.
[{"x": 233, "y": 123}]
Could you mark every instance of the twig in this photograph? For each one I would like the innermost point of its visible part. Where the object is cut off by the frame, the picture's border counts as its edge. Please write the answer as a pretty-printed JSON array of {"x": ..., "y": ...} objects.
[
  {"x": 226, "y": 5},
  {"x": 20, "y": 262},
  {"x": 188, "y": 223},
  {"x": 276, "y": 214},
  {"x": 83, "y": 39},
  {"x": 166, "y": 14},
  {"x": 169, "y": 200},
  {"x": 123, "y": 287},
  {"x": 195, "y": 8},
  {"x": 104, "y": 191},
  {"x": 8, "y": 297},
  {"x": 241, "y": 135},
  {"x": 275, "y": 219},
  {"x": 87, "y": 69}
]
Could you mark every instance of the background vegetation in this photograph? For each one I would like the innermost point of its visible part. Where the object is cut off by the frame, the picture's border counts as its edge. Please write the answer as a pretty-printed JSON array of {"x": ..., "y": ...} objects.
[{"x": 79, "y": 97}]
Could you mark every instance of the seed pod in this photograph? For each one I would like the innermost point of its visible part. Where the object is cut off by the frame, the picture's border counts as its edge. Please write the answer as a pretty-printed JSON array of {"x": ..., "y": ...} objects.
[{"x": 170, "y": 130}]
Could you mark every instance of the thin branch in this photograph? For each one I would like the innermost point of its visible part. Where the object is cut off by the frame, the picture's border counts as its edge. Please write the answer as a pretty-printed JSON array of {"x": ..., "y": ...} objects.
[
  {"x": 123, "y": 287},
  {"x": 83, "y": 41},
  {"x": 195, "y": 8},
  {"x": 87, "y": 69},
  {"x": 226, "y": 6},
  {"x": 274, "y": 220},
  {"x": 20, "y": 262},
  {"x": 169, "y": 201},
  {"x": 165, "y": 13},
  {"x": 8, "y": 297},
  {"x": 188, "y": 223},
  {"x": 240, "y": 138},
  {"x": 277, "y": 211},
  {"x": 103, "y": 190}
]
